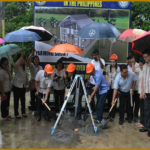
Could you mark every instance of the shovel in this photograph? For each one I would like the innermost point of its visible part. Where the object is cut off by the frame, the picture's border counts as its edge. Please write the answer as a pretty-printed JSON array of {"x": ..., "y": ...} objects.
[
  {"x": 51, "y": 113},
  {"x": 104, "y": 122}
]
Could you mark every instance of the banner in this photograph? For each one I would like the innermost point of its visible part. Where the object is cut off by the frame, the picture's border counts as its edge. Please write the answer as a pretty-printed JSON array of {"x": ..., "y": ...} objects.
[{"x": 65, "y": 19}]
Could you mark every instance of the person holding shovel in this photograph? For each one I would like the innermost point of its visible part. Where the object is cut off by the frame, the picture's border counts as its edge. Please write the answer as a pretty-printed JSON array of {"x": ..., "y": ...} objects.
[
  {"x": 124, "y": 81},
  {"x": 111, "y": 72},
  {"x": 145, "y": 92},
  {"x": 132, "y": 65},
  {"x": 102, "y": 86},
  {"x": 43, "y": 83},
  {"x": 140, "y": 71},
  {"x": 99, "y": 65}
]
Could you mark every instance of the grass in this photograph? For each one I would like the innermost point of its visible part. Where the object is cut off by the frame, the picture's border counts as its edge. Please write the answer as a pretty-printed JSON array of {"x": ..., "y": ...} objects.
[
  {"x": 59, "y": 17},
  {"x": 121, "y": 22}
]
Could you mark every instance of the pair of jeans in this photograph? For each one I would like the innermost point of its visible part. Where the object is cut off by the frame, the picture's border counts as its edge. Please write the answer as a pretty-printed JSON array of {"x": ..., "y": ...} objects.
[
  {"x": 147, "y": 111},
  {"x": 136, "y": 103},
  {"x": 125, "y": 99},
  {"x": 5, "y": 106},
  {"x": 59, "y": 99},
  {"x": 100, "y": 105},
  {"x": 33, "y": 99},
  {"x": 109, "y": 97},
  {"x": 39, "y": 105},
  {"x": 19, "y": 93},
  {"x": 92, "y": 104}
]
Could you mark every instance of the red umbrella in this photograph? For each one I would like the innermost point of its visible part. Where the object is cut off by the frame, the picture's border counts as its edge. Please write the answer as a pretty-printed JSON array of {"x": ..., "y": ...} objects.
[
  {"x": 141, "y": 43},
  {"x": 130, "y": 34},
  {"x": 42, "y": 32}
]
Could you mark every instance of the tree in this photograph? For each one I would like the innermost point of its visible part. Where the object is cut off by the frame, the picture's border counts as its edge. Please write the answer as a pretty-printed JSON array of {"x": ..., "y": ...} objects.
[
  {"x": 109, "y": 15},
  {"x": 17, "y": 15},
  {"x": 140, "y": 15},
  {"x": 54, "y": 23}
]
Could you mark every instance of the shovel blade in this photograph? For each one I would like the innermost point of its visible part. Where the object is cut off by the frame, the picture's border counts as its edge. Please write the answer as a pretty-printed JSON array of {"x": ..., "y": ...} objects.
[{"x": 104, "y": 122}]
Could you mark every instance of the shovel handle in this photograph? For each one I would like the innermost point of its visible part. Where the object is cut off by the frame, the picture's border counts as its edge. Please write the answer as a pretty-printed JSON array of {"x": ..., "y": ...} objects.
[
  {"x": 46, "y": 105},
  {"x": 44, "y": 102},
  {"x": 113, "y": 105}
]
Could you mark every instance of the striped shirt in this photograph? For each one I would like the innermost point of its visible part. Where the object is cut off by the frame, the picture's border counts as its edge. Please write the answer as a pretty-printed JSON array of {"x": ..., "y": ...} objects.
[
  {"x": 146, "y": 76},
  {"x": 136, "y": 73}
]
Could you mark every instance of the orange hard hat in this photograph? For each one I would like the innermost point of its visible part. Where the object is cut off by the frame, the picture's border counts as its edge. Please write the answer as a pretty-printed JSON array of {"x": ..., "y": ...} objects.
[
  {"x": 49, "y": 69},
  {"x": 113, "y": 57},
  {"x": 71, "y": 68},
  {"x": 89, "y": 68}
]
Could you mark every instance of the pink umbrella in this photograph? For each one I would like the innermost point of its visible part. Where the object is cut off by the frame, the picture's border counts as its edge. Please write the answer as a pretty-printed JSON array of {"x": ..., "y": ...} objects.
[
  {"x": 43, "y": 33},
  {"x": 1, "y": 41},
  {"x": 130, "y": 34}
]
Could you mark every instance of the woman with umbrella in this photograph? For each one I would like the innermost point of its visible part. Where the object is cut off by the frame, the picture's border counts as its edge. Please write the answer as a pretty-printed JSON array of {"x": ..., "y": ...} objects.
[
  {"x": 5, "y": 88},
  {"x": 33, "y": 64},
  {"x": 19, "y": 84},
  {"x": 111, "y": 72}
]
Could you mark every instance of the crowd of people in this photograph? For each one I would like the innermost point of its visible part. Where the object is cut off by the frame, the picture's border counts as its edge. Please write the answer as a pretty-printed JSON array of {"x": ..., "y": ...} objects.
[{"x": 129, "y": 83}]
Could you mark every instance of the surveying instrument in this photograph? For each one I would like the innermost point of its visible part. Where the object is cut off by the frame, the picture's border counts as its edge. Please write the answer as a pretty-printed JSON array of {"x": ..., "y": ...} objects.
[{"x": 77, "y": 79}]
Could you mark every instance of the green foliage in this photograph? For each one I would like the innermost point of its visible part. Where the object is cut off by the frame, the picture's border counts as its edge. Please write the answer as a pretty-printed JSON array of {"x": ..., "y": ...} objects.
[
  {"x": 54, "y": 22},
  {"x": 109, "y": 15},
  {"x": 140, "y": 18},
  {"x": 140, "y": 15},
  {"x": 18, "y": 15}
]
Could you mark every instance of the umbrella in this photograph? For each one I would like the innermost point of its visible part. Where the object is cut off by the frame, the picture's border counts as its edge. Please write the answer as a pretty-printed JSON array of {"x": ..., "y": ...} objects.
[
  {"x": 66, "y": 48},
  {"x": 141, "y": 43},
  {"x": 43, "y": 33},
  {"x": 1, "y": 41},
  {"x": 9, "y": 49},
  {"x": 21, "y": 36},
  {"x": 130, "y": 34},
  {"x": 98, "y": 30}
]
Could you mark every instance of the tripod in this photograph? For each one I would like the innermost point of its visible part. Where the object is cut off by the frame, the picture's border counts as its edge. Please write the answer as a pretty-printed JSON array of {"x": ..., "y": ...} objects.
[{"x": 67, "y": 98}]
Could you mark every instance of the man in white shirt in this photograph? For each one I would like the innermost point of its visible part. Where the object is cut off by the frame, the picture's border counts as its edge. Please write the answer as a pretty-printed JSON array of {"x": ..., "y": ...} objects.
[
  {"x": 43, "y": 83},
  {"x": 99, "y": 65},
  {"x": 136, "y": 101},
  {"x": 145, "y": 91}
]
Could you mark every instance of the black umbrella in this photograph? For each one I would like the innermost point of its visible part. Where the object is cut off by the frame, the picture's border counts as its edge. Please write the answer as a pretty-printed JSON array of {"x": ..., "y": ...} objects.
[
  {"x": 141, "y": 43},
  {"x": 42, "y": 32},
  {"x": 98, "y": 30}
]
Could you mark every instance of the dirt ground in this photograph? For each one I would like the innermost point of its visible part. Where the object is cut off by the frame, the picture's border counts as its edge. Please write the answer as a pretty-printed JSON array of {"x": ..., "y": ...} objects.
[{"x": 28, "y": 133}]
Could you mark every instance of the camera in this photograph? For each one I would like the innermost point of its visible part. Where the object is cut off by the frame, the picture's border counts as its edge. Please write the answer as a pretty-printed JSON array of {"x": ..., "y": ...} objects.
[{"x": 56, "y": 75}]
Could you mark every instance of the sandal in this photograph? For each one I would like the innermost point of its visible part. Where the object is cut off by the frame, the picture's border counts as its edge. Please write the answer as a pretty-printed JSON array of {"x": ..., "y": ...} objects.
[
  {"x": 7, "y": 119},
  {"x": 18, "y": 117},
  {"x": 24, "y": 115}
]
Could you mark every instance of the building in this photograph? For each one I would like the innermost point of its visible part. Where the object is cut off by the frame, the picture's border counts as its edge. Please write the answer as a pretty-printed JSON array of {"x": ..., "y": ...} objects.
[{"x": 69, "y": 28}]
